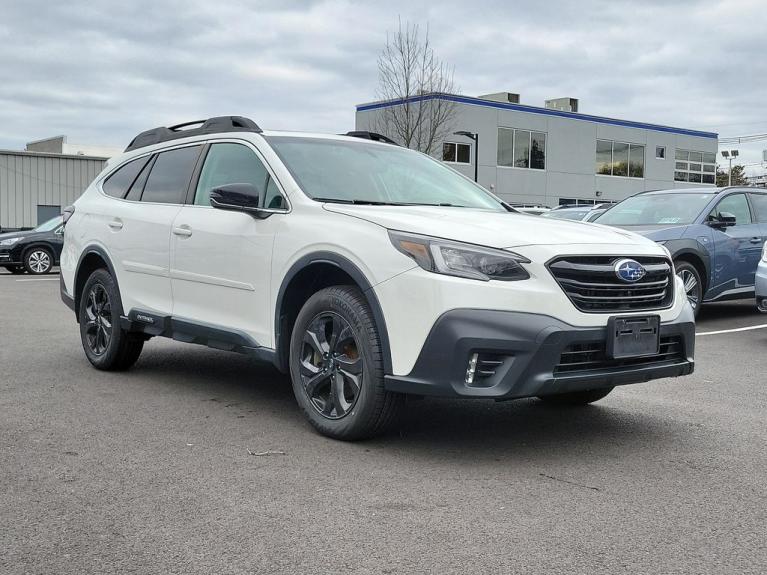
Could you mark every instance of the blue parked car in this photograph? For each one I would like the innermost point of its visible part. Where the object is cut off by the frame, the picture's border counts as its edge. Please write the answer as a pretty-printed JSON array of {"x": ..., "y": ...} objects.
[{"x": 715, "y": 236}]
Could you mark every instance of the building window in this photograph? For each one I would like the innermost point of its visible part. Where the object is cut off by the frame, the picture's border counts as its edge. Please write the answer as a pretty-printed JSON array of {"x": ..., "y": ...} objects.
[
  {"x": 521, "y": 149},
  {"x": 660, "y": 152},
  {"x": 456, "y": 153},
  {"x": 695, "y": 167},
  {"x": 620, "y": 159}
]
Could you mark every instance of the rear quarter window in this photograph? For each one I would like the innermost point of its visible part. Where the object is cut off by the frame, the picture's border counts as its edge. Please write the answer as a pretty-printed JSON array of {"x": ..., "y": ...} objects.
[
  {"x": 760, "y": 206},
  {"x": 118, "y": 184}
]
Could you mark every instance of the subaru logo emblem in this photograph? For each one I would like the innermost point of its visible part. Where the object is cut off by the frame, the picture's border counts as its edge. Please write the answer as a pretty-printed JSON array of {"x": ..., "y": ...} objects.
[{"x": 629, "y": 270}]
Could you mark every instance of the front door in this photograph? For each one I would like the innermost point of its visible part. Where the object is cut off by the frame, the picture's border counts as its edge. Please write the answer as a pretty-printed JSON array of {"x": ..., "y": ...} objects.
[
  {"x": 221, "y": 260},
  {"x": 737, "y": 248}
]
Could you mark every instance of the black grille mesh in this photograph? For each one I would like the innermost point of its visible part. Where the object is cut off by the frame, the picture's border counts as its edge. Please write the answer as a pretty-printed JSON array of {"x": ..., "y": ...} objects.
[{"x": 592, "y": 285}]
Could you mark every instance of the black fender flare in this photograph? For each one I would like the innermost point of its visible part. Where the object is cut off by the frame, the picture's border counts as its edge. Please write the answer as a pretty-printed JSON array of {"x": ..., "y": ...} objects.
[
  {"x": 690, "y": 246},
  {"x": 101, "y": 252},
  {"x": 362, "y": 281}
]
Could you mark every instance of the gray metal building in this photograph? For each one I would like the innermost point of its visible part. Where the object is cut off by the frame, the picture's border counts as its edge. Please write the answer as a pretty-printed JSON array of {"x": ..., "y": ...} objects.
[
  {"x": 36, "y": 186},
  {"x": 554, "y": 155}
]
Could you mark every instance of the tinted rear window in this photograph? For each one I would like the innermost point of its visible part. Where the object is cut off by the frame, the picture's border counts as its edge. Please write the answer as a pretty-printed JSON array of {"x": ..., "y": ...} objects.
[
  {"x": 168, "y": 181},
  {"x": 118, "y": 183}
]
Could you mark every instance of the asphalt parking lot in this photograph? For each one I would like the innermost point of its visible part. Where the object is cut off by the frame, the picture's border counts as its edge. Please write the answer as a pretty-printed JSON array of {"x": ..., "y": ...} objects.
[{"x": 152, "y": 471}]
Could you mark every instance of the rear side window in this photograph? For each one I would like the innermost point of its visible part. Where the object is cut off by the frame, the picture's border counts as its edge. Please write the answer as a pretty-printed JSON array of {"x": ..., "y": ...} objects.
[
  {"x": 118, "y": 184},
  {"x": 760, "y": 205},
  {"x": 168, "y": 181}
]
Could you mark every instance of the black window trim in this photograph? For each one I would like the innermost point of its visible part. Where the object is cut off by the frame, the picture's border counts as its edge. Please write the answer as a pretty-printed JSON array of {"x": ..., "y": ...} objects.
[{"x": 192, "y": 190}]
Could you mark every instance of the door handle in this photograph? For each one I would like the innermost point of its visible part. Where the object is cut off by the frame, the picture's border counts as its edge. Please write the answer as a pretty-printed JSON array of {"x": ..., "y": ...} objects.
[
  {"x": 183, "y": 231},
  {"x": 116, "y": 224},
  {"x": 756, "y": 240}
]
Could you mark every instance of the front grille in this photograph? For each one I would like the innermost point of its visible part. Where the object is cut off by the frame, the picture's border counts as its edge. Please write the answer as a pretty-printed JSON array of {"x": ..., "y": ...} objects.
[
  {"x": 593, "y": 286},
  {"x": 590, "y": 356}
]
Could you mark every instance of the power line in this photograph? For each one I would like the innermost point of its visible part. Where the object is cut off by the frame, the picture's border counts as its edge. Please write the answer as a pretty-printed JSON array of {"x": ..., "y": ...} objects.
[{"x": 743, "y": 139}]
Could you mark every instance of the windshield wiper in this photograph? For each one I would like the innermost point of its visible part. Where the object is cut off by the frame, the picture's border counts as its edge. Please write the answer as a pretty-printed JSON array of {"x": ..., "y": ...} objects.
[{"x": 357, "y": 202}]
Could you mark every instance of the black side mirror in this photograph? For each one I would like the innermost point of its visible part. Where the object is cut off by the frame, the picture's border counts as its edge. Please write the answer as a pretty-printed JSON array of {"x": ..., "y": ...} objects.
[
  {"x": 725, "y": 220},
  {"x": 236, "y": 197}
]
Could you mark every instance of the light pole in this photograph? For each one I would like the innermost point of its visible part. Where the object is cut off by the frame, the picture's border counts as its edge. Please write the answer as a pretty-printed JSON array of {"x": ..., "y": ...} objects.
[
  {"x": 731, "y": 155},
  {"x": 474, "y": 137}
]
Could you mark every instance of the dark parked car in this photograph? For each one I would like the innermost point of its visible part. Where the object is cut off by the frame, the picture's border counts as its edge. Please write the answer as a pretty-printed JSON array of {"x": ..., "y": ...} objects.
[
  {"x": 715, "y": 236},
  {"x": 35, "y": 251}
]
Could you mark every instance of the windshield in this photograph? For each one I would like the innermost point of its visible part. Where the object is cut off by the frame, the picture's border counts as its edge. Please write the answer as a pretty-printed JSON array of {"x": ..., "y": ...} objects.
[
  {"x": 656, "y": 209},
  {"x": 50, "y": 225},
  {"x": 567, "y": 214},
  {"x": 360, "y": 172}
]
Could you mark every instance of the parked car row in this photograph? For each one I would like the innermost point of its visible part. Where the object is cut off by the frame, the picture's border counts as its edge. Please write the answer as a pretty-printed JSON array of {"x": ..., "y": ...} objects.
[{"x": 35, "y": 251}]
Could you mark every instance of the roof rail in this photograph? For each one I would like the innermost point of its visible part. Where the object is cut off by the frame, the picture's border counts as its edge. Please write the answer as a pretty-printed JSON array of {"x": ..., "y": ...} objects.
[
  {"x": 371, "y": 136},
  {"x": 209, "y": 126}
]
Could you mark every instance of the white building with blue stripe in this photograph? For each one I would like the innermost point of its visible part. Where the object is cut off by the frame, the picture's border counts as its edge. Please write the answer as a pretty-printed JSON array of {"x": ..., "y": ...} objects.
[{"x": 554, "y": 155}]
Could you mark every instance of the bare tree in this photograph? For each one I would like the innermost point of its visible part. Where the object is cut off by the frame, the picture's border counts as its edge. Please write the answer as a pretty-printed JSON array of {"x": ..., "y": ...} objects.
[{"x": 409, "y": 73}]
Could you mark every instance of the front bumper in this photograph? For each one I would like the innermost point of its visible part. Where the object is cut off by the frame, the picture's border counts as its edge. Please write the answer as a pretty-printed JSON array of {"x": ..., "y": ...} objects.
[
  {"x": 9, "y": 257},
  {"x": 529, "y": 348},
  {"x": 761, "y": 286}
]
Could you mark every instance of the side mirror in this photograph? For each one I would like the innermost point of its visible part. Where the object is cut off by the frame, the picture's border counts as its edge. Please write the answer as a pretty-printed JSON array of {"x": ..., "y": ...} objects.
[
  {"x": 236, "y": 197},
  {"x": 725, "y": 220}
]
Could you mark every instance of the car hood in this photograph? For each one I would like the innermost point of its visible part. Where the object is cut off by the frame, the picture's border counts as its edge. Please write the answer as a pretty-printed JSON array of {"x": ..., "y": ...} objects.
[
  {"x": 9, "y": 235},
  {"x": 658, "y": 233},
  {"x": 494, "y": 229}
]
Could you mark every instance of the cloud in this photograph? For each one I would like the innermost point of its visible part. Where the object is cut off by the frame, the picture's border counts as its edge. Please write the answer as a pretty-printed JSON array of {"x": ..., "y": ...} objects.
[{"x": 102, "y": 72}]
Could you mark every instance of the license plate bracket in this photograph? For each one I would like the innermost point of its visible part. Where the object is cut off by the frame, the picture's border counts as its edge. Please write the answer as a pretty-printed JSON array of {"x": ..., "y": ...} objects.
[{"x": 633, "y": 336}]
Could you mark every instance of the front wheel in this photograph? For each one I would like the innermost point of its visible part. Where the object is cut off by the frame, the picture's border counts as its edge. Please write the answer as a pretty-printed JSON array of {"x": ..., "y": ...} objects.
[
  {"x": 693, "y": 286},
  {"x": 577, "y": 397},
  {"x": 336, "y": 365},
  {"x": 38, "y": 261},
  {"x": 107, "y": 346}
]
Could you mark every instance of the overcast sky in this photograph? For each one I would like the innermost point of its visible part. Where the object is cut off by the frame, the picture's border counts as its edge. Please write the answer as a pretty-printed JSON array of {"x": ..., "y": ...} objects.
[{"x": 100, "y": 72}]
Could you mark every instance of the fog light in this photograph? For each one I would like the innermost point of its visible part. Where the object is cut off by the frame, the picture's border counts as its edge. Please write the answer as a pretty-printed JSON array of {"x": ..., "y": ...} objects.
[{"x": 472, "y": 369}]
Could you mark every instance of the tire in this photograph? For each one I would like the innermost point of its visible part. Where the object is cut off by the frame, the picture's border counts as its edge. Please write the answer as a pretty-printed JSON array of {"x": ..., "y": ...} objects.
[
  {"x": 336, "y": 365},
  {"x": 107, "y": 346},
  {"x": 38, "y": 261},
  {"x": 577, "y": 397},
  {"x": 15, "y": 270},
  {"x": 693, "y": 283}
]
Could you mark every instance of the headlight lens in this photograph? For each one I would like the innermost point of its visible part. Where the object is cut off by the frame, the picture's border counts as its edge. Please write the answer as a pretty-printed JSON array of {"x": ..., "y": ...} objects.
[
  {"x": 10, "y": 241},
  {"x": 461, "y": 260}
]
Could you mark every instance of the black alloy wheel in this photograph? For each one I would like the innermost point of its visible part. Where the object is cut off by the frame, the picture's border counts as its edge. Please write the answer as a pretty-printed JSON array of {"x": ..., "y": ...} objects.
[
  {"x": 331, "y": 366},
  {"x": 98, "y": 327}
]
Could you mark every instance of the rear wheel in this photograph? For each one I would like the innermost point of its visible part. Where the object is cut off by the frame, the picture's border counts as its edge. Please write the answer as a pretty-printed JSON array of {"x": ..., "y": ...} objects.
[
  {"x": 38, "y": 261},
  {"x": 336, "y": 364},
  {"x": 107, "y": 346},
  {"x": 577, "y": 397},
  {"x": 693, "y": 286}
]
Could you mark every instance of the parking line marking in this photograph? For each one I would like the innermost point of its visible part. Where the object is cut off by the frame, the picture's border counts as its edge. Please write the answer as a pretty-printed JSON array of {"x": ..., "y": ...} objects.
[
  {"x": 749, "y": 328},
  {"x": 40, "y": 280}
]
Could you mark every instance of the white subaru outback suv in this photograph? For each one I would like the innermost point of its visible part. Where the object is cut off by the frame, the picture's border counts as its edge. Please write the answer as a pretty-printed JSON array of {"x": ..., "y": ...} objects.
[{"x": 364, "y": 270}]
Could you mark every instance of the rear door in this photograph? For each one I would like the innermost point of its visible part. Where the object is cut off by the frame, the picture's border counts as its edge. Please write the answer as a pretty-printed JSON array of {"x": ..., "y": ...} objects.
[
  {"x": 140, "y": 227},
  {"x": 737, "y": 248},
  {"x": 221, "y": 260}
]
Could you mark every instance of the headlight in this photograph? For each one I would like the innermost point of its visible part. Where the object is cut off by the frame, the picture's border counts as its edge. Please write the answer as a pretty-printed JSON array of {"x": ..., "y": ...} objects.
[
  {"x": 10, "y": 241},
  {"x": 764, "y": 252},
  {"x": 461, "y": 260}
]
